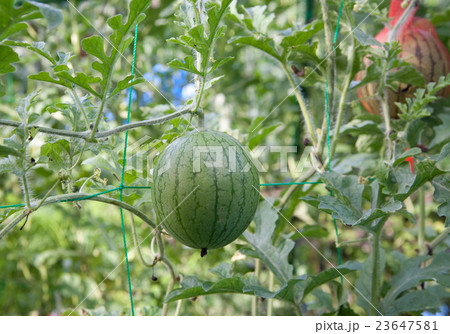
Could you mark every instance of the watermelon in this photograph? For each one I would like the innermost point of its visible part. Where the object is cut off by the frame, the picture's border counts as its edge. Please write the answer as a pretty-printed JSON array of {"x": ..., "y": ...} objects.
[
  {"x": 205, "y": 189},
  {"x": 421, "y": 48}
]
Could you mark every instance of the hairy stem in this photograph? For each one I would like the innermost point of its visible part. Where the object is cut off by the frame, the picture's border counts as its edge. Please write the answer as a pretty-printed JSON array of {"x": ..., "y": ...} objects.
[
  {"x": 375, "y": 291},
  {"x": 137, "y": 244},
  {"x": 440, "y": 238},
  {"x": 302, "y": 103},
  {"x": 79, "y": 104},
  {"x": 376, "y": 267},
  {"x": 178, "y": 309},
  {"x": 86, "y": 134},
  {"x": 270, "y": 301},
  {"x": 421, "y": 233},
  {"x": 331, "y": 61},
  {"x": 26, "y": 191},
  {"x": 294, "y": 187},
  {"x": 173, "y": 278},
  {"x": 255, "y": 298},
  {"x": 78, "y": 197},
  {"x": 347, "y": 81},
  {"x": 383, "y": 99}
]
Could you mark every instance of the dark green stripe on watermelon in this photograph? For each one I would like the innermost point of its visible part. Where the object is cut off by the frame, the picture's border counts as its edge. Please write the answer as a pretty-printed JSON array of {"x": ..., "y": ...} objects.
[{"x": 224, "y": 202}]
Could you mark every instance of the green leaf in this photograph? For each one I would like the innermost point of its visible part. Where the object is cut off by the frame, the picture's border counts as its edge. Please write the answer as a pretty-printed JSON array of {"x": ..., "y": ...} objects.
[
  {"x": 338, "y": 210},
  {"x": 306, "y": 54},
  {"x": 215, "y": 14},
  {"x": 265, "y": 44},
  {"x": 191, "y": 287},
  {"x": 346, "y": 187},
  {"x": 301, "y": 36},
  {"x": 418, "y": 300},
  {"x": 295, "y": 290},
  {"x": 359, "y": 127},
  {"x": 127, "y": 82},
  {"x": 219, "y": 62},
  {"x": 409, "y": 153},
  {"x": 365, "y": 39},
  {"x": 426, "y": 170},
  {"x": 274, "y": 257},
  {"x": 412, "y": 275},
  {"x": 256, "y": 137},
  {"x": 81, "y": 80},
  {"x": 36, "y": 47},
  {"x": 12, "y": 17},
  {"x": 6, "y": 150},
  {"x": 407, "y": 75},
  {"x": 57, "y": 153},
  {"x": 52, "y": 15},
  {"x": 311, "y": 231},
  {"x": 94, "y": 45},
  {"x": 7, "y": 56},
  {"x": 442, "y": 195},
  {"x": 45, "y": 76},
  {"x": 188, "y": 65}
]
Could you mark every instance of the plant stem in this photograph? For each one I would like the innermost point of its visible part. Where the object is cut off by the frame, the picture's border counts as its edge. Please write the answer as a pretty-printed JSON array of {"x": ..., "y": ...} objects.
[
  {"x": 169, "y": 267},
  {"x": 86, "y": 134},
  {"x": 350, "y": 242},
  {"x": 77, "y": 197},
  {"x": 255, "y": 298},
  {"x": 302, "y": 104},
  {"x": 114, "y": 57},
  {"x": 436, "y": 241},
  {"x": 80, "y": 106},
  {"x": 421, "y": 219},
  {"x": 331, "y": 61},
  {"x": 294, "y": 187},
  {"x": 26, "y": 191},
  {"x": 376, "y": 274},
  {"x": 137, "y": 245},
  {"x": 270, "y": 301},
  {"x": 46, "y": 195},
  {"x": 178, "y": 309},
  {"x": 383, "y": 99},
  {"x": 342, "y": 100}
]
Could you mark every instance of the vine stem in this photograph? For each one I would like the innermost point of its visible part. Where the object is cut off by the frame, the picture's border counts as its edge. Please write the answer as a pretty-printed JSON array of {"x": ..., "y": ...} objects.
[
  {"x": 137, "y": 245},
  {"x": 79, "y": 104},
  {"x": 302, "y": 104},
  {"x": 421, "y": 233},
  {"x": 26, "y": 191},
  {"x": 255, "y": 298},
  {"x": 383, "y": 99},
  {"x": 376, "y": 274},
  {"x": 79, "y": 196},
  {"x": 86, "y": 134},
  {"x": 331, "y": 61},
  {"x": 294, "y": 187},
  {"x": 270, "y": 301},
  {"x": 440, "y": 238},
  {"x": 173, "y": 278},
  {"x": 345, "y": 87}
]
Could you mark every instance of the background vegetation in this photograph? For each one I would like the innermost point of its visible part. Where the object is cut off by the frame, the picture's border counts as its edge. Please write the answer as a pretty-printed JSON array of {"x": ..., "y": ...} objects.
[{"x": 65, "y": 250}]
